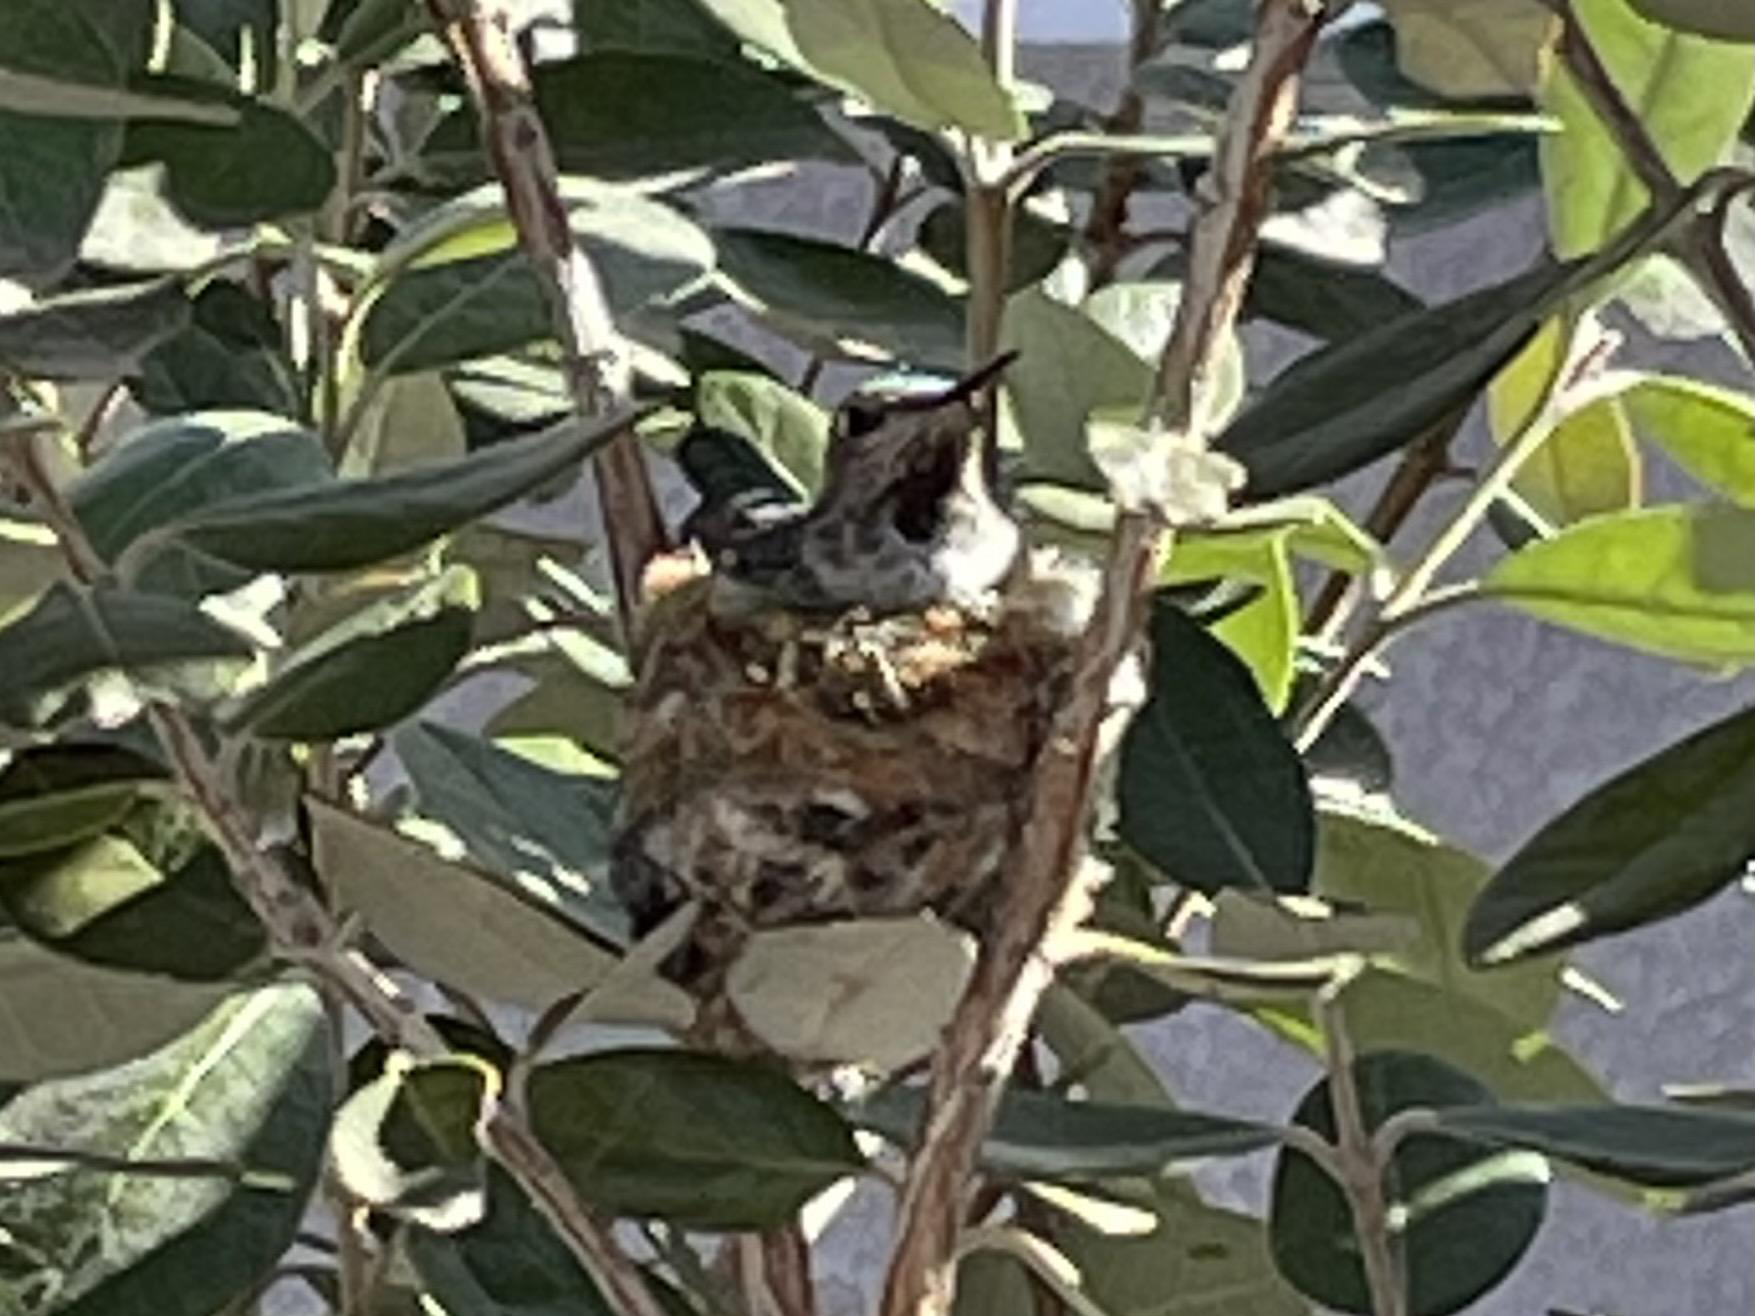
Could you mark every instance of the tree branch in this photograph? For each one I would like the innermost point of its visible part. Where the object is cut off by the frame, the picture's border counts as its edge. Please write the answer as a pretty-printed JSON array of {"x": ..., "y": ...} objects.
[
  {"x": 594, "y": 359},
  {"x": 1043, "y": 896},
  {"x": 1105, "y": 229},
  {"x": 303, "y": 932}
]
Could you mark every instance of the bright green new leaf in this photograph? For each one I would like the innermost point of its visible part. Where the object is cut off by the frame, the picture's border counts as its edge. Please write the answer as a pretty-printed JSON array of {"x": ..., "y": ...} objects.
[
  {"x": 1264, "y": 631},
  {"x": 1659, "y": 838},
  {"x": 1676, "y": 580},
  {"x": 905, "y": 58},
  {"x": 1723, "y": 20},
  {"x": 1689, "y": 93},
  {"x": 1707, "y": 430}
]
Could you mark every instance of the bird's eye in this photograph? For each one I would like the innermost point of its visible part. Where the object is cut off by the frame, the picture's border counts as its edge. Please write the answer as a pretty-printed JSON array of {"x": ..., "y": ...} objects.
[{"x": 859, "y": 419}]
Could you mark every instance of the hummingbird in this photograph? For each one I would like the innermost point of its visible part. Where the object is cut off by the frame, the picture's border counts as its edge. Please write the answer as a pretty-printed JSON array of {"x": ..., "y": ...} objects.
[
  {"x": 907, "y": 517},
  {"x": 840, "y": 719}
]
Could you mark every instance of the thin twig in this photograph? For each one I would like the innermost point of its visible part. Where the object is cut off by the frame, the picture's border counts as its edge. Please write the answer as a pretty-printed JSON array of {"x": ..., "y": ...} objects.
[
  {"x": 1043, "y": 897},
  {"x": 1106, "y": 227},
  {"x": 1359, "y": 1169},
  {"x": 1702, "y": 249},
  {"x": 594, "y": 359}
]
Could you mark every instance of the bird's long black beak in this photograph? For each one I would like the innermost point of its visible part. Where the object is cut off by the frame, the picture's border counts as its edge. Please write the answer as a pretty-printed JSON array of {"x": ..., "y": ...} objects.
[{"x": 969, "y": 386}]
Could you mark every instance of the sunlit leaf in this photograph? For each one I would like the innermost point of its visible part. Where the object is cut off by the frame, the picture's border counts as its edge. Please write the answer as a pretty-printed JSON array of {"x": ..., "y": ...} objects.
[
  {"x": 1676, "y": 580},
  {"x": 251, "y": 1085},
  {"x": 1706, "y": 429}
]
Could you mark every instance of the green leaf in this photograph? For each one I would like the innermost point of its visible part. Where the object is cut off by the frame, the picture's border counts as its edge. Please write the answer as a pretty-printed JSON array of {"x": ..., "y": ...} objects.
[
  {"x": 354, "y": 523},
  {"x": 1690, "y": 94},
  {"x": 1677, "y": 581},
  {"x": 1210, "y": 791},
  {"x": 462, "y": 926},
  {"x": 1140, "y": 315},
  {"x": 508, "y": 1264},
  {"x": 1328, "y": 301},
  {"x": 546, "y": 831},
  {"x": 369, "y": 671},
  {"x": 70, "y": 636},
  {"x": 1450, "y": 1188},
  {"x": 1657, "y": 839},
  {"x": 1069, "y": 368},
  {"x": 1037, "y": 246},
  {"x": 604, "y": 121},
  {"x": 229, "y": 356},
  {"x": 844, "y": 295},
  {"x": 786, "y": 427},
  {"x": 1724, "y": 20},
  {"x": 98, "y": 333},
  {"x": 1095, "y": 1051},
  {"x": 59, "y": 1016},
  {"x": 52, "y": 796},
  {"x": 1329, "y": 414},
  {"x": 151, "y": 894},
  {"x": 1655, "y": 1146},
  {"x": 52, "y": 170},
  {"x": 699, "y": 1140},
  {"x": 1038, "y": 1135},
  {"x": 1395, "y": 868},
  {"x": 1704, "y": 428},
  {"x": 680, "y": 27},
  {"x": 455, "y": 286},
  {"x": 1200, "y": 1260},
  {"x": 266, "y": 166},
  {"x": 180, "y": 465},
  {"x": 906, "y": 59},
  {"x": 1263, "y": 633},
  {"x": 250, "y": 1084},
  {"x": 405, "y": 1142}
]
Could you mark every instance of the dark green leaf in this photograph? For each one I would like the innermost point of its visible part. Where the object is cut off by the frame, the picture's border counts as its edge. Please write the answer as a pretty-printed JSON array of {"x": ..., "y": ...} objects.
[
  {"x": 509, "y": 1264},
  {"x": 70, "y": 636},
  {"x": 52, "y": 170},
  {"x": 517, "y": 818},
  {"x": 1723, "y": 20},
  {"x": 1676, "y": 580},
  {"x": 354, "y": 523},
  {"x": 52, "y": 796},
  {"x": 239, "y": 31},
  {"x": 405, "y": 1142},
  {"x": 1655, "y": 1146},
  {"x": 1036, "y": 249},
  {"x": 1324, "y": 300},
  {"x": 151, "y": 894},
  {"x": 178, "y": 466},
  {"x": 1210, "y": 790},
  {"x": 1451, "y": 1189},
  {"x": 266, "y": 166},
  {"x": 1330, "y": 414},
  {"x": 1037, "y": 1135},
  {"x": 699, "y": 1140},
  {"x": 229, "y": 356},
  {"x": 370, "y": 670},
  {"x": 680, "y": 27},
  {"x": 250, "y": 1085},
  {"x": 845, "y": 295},
  {"x": 96, "y": 333},
  {"x": 604, "y": 120},
  {"x": 459, "y": 289},
  {"x": 1660, "y": 837}
]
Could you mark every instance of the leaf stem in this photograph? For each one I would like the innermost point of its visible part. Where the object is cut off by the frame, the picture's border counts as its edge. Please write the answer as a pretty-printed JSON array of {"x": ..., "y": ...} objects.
[
  {"x": 1360, "y": 1166},
  {"x": 594, "y": 358}
]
